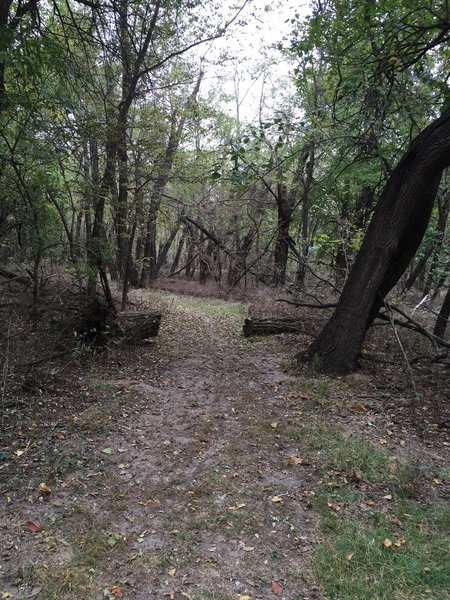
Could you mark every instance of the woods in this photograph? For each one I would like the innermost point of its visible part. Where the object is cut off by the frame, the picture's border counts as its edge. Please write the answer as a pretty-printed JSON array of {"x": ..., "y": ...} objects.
[
  {"x": 122, "y": 166},
  {"x": 224, "y": 299}
]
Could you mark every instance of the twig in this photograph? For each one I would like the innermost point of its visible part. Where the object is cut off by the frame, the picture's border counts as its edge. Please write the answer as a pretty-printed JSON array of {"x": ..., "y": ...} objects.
[
  {"x": 414, "y": 326},
  {"x": 183, "y": 267},
  {"x": 408, "y": 369}
]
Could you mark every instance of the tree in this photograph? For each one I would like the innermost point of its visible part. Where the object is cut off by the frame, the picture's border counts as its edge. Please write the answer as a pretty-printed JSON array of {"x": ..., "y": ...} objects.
[{"x": 394, "y": 234}]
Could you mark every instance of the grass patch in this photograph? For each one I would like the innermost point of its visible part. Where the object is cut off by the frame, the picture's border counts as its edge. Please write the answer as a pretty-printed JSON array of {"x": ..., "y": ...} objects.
[
  {"x": 319, "y": 393},
  {"x": 342, "y": 453},
  {"x": 59, "y": 461},
  {"x": 93, "y": 546},
  {"x": 353, "y": 563},
  {"x": 209, "y": 306}
]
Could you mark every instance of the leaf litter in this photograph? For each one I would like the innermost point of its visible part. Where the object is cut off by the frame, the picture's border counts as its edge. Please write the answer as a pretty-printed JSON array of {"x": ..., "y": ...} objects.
[{"x": 197, "y": 464}]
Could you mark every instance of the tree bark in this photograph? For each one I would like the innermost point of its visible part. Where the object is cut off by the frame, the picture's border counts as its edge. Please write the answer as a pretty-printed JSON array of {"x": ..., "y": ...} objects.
[
  {"x": 394, "y": 234},
  {"x": 180, "y": 247},
  {"x": 285, "y": 208},
  {"x": 444, "y": 314}
]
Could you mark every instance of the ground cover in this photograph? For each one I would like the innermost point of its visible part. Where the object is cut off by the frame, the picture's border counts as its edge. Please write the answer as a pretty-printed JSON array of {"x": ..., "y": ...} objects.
[{"x": 205, "y": 466}]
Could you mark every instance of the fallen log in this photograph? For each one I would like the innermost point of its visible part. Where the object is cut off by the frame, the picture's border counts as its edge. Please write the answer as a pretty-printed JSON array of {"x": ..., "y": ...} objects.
[
  {"x": 138, "y": 326},
  {"x": 273, "y": 326},
  {"x": 10, "y": 276}
]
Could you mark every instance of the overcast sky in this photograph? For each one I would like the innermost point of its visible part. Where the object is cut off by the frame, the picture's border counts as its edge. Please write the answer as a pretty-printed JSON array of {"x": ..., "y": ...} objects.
[{"x": 249, "y": 48}]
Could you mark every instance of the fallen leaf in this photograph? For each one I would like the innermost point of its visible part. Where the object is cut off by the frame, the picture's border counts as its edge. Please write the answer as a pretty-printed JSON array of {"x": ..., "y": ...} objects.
[
  {"x": 277, "y": 499},
  {"x": 387, "y": 543},
  {"x": 298, "y": 460},
  {"x": 437, "y": 481},
  {"x": 117, "y": 591},
  {"x": 277, "y": 588},
  {"x": 388, "y": 497},
  {"x": 274, "y": 424},
  {"x": 237, "y": 507},
  {"x": 172, "y": 572},
  {"x": 349, "y": 557},
  {"x": 107, "y": 450},
  {"x": 34, "y": 526},
  {"x": 354, "y": 476},
  {"x": 59, "y": 436},
  {"x": 382, "y": 441},
  {"x": 248, "y": 548},
  {"x": 44, "y": 488},
  {"x": 245, "y": 597},
  {"x": 334, "y": 506},
  {"x": 399, "y": 543},
  {"x": 6, "y": 595},
  {"x": 19, "y": 452}
]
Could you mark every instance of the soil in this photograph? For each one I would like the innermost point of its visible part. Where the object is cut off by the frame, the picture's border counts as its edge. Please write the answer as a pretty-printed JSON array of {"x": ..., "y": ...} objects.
[{"x": 167, "y": 465}]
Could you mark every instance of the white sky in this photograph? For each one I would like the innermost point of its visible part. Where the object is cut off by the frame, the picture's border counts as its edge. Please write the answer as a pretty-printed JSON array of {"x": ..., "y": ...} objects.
[{"x": 253, "y": 61}]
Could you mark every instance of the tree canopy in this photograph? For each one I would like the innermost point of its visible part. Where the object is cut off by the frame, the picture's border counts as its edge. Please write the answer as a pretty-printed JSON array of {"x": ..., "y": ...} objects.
[{"x": 121, "y": 161}]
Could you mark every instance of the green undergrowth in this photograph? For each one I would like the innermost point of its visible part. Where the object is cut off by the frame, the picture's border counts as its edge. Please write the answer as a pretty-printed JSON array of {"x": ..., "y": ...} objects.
[
  {"x": 379, "y": 538},
  {"x": 356, "y": 560},
  {"x": 208, "y": 306}
]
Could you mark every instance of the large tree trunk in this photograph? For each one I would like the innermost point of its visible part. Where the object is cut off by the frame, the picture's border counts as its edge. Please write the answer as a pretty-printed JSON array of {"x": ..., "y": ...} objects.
[{"x": 394, "y": 234}]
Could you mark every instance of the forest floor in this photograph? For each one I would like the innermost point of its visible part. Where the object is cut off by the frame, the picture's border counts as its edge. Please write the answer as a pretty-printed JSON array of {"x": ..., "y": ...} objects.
[{"x": 202, "y": 465}]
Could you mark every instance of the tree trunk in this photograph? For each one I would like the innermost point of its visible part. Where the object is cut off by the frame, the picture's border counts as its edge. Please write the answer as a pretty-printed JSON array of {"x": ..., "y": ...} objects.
[
  {"x": 308, "y": 159},
  {"x": 137, "y": 326},
  {"x": 442, "y": 320},
  {"x": 443, "y": 205},
  {"x": 177, "y": 124},
  {"x": 206, "y": 257},
  {"x": 441, "y": 282},
  {"x": 192, "y": 252},
  {"x": 180, "y": 247},
  {"x": 394, "y": 234},
  {"x": 284, "y": 206},
  {"x": 164, "y": 250}
]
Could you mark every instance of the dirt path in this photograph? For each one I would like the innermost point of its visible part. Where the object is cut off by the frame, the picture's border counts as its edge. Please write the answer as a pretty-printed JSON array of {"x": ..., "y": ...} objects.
[
  {"x": 185, "y": 491},
  {"x": 197, "y": 467}
]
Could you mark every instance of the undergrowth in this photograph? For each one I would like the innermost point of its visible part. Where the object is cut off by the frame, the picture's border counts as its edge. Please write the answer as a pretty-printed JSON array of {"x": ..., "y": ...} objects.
[
  {"x": 395, "y": 547},
  {"x": 372, "y": 557}
]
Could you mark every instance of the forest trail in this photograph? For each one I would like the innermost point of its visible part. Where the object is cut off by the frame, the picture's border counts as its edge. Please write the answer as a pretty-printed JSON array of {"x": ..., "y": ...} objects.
[
  {"x": 209, "y": 469},
  {"x": 181, "y": 485},
  {"x": 198, "y": 466}
]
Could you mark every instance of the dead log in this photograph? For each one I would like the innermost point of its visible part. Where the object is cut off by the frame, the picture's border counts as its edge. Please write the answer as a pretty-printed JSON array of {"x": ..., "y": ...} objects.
[
  {"x": 10, "y": 276},
  {"x": 273, "y": 326},
  {"x": 138, "y": 326}
]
